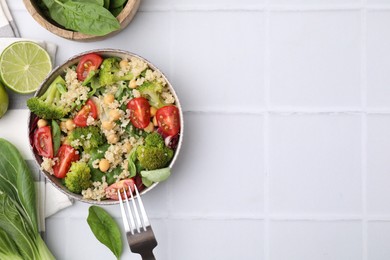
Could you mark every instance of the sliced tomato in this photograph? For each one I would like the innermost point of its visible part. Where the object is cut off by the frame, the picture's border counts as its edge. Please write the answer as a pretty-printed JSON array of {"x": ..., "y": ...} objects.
[
  {"x": 123, "y": 185},
  {"x": 89, "y": 109},
  {"x": 43, "y": 141},
  {"x": 139, "y": 112},
  {"x": 168, "y": 120},
  {"x": 66, "y": 155},
  {"x": 88, "y": 63}
]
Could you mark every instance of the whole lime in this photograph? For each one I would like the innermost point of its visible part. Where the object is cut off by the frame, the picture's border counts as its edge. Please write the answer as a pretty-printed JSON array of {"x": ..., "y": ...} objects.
[{"x": 3, "y": 100}]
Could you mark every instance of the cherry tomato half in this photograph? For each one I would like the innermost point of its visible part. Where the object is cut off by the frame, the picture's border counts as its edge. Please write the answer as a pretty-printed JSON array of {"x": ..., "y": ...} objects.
[
  {"x": 139, "y": 112},
  {"x": 88, "y": 63},
  {"x": 127, "y": 185},
  {"x": 89, "y": 109},
  {"x": 168, "y": 120},
  {"x": 66, "y": 155},
  {"x": 43, "y": 141}
]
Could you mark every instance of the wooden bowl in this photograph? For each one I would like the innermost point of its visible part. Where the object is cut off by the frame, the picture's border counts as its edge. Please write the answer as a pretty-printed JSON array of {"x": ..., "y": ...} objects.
[{"x": 124, "y": 19}]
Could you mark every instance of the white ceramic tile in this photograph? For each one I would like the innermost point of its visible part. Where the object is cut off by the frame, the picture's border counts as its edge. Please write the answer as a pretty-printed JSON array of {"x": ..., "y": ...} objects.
[
  {"x": 314, "y": 2},
  {"x": 147, "y": 35},
  {"x": 15, "y": 131},
  {"x": 378, "y": 240},
  {"x": 218, "y": 60},
  {"x": 315, "y": 164},
  {"x": 151, "y": 4},
  {"x": 378, "y": 1},
  {"x": 378, "y": 59},
  {"x": 378, "y": 164},
  {"x": 216, "y": 239},
  {"x": 220, "y": 170},
  {"x": 315, "y": 240},
  {"x": 315, "y": 59},
  {"x": 80, "y": 243}
]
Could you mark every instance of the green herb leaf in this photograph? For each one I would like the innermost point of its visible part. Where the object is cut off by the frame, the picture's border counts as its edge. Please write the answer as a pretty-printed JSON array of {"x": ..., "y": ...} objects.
[
  {"x": 98, "y": 2},
  {"x": 86, "y": 18},
  {"x": 116, "y": 11},
  {"x": 117, "y": 3},
  {"x": 56, "y": 133},
  {"x": 107, "y": 4},
  {"x": 132, "y": 167},
  {"x": 105, "y": 229},
  {"x": 156, "y": 175}
]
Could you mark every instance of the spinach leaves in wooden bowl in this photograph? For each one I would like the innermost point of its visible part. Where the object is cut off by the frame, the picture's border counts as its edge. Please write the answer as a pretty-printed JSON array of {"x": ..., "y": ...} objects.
[{"x": 83, "y": 20}]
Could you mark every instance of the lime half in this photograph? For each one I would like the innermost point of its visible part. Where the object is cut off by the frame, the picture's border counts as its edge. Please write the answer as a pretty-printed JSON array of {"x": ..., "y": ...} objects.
[
  {"x": 23, "y": 66},
  {"x": 3, "y": 101}
]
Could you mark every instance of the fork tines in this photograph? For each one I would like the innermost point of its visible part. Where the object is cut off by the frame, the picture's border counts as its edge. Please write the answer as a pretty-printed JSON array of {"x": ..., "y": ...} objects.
[{"x": 133, "y": 212}]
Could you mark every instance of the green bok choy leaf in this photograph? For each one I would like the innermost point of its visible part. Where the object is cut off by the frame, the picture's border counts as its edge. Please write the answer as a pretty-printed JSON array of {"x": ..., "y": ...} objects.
[{"x": 19, "y": 236}]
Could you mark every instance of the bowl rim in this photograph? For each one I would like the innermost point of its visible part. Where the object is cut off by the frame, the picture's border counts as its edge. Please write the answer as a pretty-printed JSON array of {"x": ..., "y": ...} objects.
[
  {"x": 124, "y": 18},
  {"x": 109, "y": 52}
]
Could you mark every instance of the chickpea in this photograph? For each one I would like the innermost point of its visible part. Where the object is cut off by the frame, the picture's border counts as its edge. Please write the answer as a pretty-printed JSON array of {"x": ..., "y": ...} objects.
[
  {"x": 114, "y": 114},
  {"x": 108, "y": 125},
  {"x": 153, "y": 111},
  {"x": 155, "y": 121},
  {"x": 112, "y": 138},
  {"x": 133, "y": 84},
  {"x": 63, "y": 126},
  {"x": 123, "y": 64},
  {"x": 149, "y": 128},
  {"x": 108, "y": 99},
  {"x": 69, "y": 124},
  {"x": 41, "y": 123},
  {"x": 127, "y": 147},
  {"x": 104, "y": 165}
]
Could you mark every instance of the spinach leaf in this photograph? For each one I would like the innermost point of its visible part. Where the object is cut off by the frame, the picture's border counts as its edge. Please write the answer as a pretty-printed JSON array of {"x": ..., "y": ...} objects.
[
  {"x": 83, "y": 17},
  {"x": 148, "y": 177},
  {"x": 98, "y": 2},
  {"x": 116, "y": 11},
  {"x": 132, "y": 159},
  {"x": 105, "y": 229},
  {"x": 56, "y": 133},
  {"x": 117, "y": 3},
  {"x": 106, "y": 4}
]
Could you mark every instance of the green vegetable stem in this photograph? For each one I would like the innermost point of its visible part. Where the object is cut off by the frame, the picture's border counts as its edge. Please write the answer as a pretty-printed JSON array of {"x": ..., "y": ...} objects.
[
  {"x": 19, "y": 236},
  {"x": 105, "y": 229}
]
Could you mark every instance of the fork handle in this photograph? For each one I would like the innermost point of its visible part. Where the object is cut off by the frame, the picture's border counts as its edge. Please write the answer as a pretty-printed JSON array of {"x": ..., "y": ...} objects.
[{"x": 148, "y": 255}]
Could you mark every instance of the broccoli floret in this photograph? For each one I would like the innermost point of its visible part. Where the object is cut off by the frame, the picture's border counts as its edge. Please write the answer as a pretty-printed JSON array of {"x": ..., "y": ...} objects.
[
  {"x": 155, "y": 140},
  {"x": 47, "y": 106},
  {"x": 152, "y": 91},
  {"x": 88, "y": 137},
  {"x": 78, "y": 178},
  {"x": 109, "y": 72},
  {"x": 154, "y": 154}
]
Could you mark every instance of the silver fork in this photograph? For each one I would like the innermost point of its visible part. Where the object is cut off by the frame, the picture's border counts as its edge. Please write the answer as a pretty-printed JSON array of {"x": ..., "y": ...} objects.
[{"x": 140, "y": 236}]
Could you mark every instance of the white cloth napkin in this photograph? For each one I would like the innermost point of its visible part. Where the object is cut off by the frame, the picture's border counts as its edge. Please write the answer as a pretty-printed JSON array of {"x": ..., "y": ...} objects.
[{"x": 49, "y": 199}]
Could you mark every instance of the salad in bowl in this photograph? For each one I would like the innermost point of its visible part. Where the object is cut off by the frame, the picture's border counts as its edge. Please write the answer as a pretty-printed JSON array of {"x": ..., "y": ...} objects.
[{"x": 104, "y": 121}]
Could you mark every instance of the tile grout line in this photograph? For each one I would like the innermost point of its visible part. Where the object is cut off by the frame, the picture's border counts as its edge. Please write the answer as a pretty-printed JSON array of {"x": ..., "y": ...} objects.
[
  {"x": 364, "y": 154},
  {"x": 170, "y": 193},
  {"x": 267, "y": 86}
]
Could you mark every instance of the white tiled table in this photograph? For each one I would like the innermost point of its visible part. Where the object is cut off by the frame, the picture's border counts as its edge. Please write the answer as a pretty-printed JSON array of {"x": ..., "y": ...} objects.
[{"x": 287, "y": 146}]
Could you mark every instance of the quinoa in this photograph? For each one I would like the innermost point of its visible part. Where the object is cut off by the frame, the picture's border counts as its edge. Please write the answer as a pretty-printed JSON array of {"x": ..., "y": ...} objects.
[
  {"x": 97, "y": 192},
  {"x": 47, "y": 164}
]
